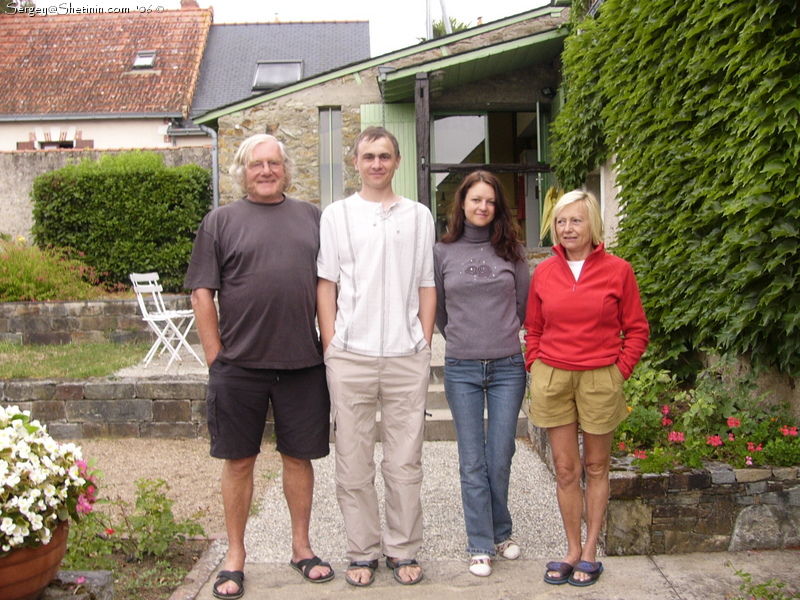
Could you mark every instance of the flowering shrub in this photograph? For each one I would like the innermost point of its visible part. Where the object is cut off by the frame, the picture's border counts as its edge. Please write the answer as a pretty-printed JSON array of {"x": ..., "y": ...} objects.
[
  {"x": 718, "y": 419},
  {"x": 42, "y": 482},
  {"x": 147, "y": 529},
  {"x": 28, "y": 273}
]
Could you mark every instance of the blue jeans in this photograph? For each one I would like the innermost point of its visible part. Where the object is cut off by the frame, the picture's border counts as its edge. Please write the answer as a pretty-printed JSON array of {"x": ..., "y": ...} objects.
[{"x": 484, "y": 454}]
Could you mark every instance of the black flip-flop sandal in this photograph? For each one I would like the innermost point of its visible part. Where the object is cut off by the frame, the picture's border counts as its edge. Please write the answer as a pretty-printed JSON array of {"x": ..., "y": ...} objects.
[
  {"x": 236, "y": 577},
  {"x": 304, "y": 568}
]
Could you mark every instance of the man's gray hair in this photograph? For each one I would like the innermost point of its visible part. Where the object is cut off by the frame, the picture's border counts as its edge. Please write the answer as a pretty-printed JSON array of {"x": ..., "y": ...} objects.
[{"x": 245, "y": 154}]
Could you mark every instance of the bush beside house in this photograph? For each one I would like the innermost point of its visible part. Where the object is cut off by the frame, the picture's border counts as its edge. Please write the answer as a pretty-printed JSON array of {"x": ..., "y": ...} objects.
[{"x": 125, "y": 213}]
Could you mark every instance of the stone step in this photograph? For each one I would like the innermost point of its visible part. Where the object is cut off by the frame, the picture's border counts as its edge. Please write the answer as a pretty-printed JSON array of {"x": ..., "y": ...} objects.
[
  {"x": 436, "y": 397},
  {"x": 439, "y": 426}
]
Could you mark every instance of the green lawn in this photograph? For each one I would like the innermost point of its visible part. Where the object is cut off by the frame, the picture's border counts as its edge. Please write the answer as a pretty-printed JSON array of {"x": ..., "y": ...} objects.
[{"x": 69, "y": 361}]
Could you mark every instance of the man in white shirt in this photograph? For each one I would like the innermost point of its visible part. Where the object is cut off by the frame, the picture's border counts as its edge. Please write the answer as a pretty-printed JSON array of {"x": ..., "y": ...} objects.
[{"x": 376, "y": 330}]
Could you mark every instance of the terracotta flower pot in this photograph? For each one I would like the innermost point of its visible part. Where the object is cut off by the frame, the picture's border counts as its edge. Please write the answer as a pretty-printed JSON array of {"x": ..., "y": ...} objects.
[{"x": 25, "y": 573}]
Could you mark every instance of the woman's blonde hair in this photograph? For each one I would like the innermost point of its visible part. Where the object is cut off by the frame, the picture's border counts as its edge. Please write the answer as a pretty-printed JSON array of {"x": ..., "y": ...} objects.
[{"x": 592, "y": 209}]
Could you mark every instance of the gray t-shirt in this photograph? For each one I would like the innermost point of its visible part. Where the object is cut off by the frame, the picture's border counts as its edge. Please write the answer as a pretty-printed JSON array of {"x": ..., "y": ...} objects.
[
  {"x": 261, "y": 258},
  {"x": 481, "y": 298}
]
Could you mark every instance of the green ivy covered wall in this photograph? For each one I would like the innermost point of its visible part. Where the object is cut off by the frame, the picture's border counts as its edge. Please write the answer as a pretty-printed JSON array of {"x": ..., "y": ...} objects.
[{"x": 698, "y": 101}]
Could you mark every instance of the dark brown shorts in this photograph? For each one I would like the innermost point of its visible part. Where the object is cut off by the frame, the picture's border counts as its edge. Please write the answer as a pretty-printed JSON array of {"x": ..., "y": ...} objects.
[{"x": 238, "y": 399}]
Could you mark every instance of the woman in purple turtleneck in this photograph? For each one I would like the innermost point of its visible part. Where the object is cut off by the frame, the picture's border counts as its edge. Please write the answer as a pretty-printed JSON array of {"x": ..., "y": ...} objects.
[{"x": 482, "y": 282}]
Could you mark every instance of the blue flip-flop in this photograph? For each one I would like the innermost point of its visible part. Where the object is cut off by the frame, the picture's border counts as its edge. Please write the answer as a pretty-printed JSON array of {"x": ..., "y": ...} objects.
[
  {"x": 564, "y": 571},
  {"x": 592, "y": 569}
]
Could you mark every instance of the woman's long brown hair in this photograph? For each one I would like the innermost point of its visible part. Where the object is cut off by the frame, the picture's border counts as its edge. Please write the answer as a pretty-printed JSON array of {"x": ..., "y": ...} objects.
[{"x": 503, "y": 230}]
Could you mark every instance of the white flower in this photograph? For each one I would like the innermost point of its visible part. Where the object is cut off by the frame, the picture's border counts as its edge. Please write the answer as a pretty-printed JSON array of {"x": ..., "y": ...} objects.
[
  {"x": 36, "y": 522},
  {"x": 7, "y": 525},
  {"x": 39, "y": 479}
]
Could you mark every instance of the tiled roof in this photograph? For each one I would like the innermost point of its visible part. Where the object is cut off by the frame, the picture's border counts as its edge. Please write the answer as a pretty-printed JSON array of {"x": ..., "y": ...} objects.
[
  {"x": 229, "y": 64},
  {"x": 82, "y": 64}
]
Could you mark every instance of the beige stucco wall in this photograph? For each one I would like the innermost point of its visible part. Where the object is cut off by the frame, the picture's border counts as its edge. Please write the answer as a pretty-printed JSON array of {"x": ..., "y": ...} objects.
[
  {"x": 105, "y": 133},
  {"x": 610, "y": 205}
]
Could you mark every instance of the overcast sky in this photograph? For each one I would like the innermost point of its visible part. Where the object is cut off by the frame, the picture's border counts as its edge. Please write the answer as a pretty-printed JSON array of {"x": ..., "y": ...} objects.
[{"x": 393, "y": 25}]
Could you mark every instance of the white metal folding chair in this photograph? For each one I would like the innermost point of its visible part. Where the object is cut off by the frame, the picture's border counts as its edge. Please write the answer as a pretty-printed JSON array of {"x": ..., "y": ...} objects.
[{"x": 170, "y": 326}]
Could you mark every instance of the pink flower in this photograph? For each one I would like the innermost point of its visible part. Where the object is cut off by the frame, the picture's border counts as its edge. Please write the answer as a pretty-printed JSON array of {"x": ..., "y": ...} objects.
[
  {"x": 733, "y": 422},
  {"x": 84, "y": 506},
  {"x": 676, "y": 436},
  {"x": 786, "y": 430},
  {"x": 666, "y": 422},
  {"x": 639, "y": 454},
  {"x": 80, "y": 580},
  {"x": 731, "y": 437},
  {"x": 621, "y": 445},
  {"x": 665, "y": 410},
  {"x": 714, "y": 440},
  {"x": 748, "y": 461}
]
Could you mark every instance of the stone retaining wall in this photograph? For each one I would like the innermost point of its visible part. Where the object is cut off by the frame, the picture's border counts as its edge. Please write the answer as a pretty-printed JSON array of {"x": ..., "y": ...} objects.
[
  {"x": 714, "y": 509},
  {"x": 169, "y": 408},
  {"x": 87, "y": 321}
]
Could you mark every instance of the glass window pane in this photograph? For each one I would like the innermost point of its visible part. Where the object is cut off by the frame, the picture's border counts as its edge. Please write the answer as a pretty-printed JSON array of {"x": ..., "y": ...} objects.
[
  {"x": 330, "y": 155},
  {"x": 456, "y": 139},
  {"x": 272, "y": 74},
  {"x": 459, "y": 139}
]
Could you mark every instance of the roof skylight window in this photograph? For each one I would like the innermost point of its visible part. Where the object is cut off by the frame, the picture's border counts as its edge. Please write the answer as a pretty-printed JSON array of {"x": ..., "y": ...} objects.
[
  {"x": 145, "y": 59},
  {"x": 271, "y": 74}
]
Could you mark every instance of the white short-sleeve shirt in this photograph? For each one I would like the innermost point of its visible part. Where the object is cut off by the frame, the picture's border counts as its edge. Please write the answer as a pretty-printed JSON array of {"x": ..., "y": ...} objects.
[{"x": 379, "y": 259}]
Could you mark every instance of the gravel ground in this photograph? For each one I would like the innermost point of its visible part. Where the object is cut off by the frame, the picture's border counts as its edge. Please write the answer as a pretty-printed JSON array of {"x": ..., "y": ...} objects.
[
  {"x": 192, "y": 475},
  {"x": 532, "y": 500}
]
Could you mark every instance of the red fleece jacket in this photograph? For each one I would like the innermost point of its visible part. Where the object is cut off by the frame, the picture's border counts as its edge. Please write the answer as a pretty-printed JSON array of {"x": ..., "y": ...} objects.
[{"x": 576, "y": 325}]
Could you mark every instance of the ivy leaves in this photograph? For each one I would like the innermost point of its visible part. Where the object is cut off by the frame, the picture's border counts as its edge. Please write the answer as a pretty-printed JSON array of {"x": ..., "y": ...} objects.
[{"x": 699, "y": 102}]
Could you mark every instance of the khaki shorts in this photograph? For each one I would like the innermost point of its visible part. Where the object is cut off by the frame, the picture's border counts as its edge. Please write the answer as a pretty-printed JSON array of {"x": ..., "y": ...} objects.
[{"x": 593, "y": 398}]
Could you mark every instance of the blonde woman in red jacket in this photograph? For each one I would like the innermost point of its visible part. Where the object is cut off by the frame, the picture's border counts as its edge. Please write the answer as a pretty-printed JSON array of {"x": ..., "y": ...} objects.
[{"x": 585, "y": 332}]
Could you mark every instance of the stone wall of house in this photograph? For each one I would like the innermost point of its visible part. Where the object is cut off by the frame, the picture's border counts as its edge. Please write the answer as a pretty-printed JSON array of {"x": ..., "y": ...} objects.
[
  {"x": 19, "y": 169},
  {"x": 79, "y": 322},
  {"x": 294, "y": 118}
]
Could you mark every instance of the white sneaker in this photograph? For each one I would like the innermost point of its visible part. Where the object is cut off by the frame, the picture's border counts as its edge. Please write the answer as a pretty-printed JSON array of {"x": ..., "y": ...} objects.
[
  {"x": 480, "y": 565},
  {"x": 508, "y": 549}
]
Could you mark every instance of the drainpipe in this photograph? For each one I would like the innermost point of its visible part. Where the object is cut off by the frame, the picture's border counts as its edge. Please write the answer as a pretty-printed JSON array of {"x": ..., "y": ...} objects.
[{"x": 214, "y": 165}]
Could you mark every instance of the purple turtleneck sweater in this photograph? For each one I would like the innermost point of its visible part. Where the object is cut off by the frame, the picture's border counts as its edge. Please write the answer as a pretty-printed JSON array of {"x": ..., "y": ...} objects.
[{"x": 481, "y": 298}]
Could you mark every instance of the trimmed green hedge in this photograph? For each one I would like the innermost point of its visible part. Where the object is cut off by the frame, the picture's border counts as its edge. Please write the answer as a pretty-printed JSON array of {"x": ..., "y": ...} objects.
[
  {"x": 699, "y": 101},
  {"x": 125, "y": 213}
]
